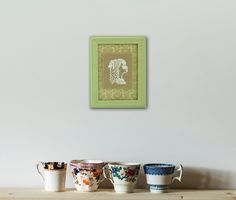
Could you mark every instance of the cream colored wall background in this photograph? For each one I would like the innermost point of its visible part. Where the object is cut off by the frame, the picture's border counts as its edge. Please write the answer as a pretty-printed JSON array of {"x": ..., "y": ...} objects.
[{"x": 44, "y": 87}]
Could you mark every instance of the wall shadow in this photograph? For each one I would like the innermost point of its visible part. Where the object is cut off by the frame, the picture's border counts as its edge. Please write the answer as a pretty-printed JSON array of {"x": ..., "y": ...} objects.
[
  {"x": 200, "y": 178},
  {"x": 205, "y": 178}
]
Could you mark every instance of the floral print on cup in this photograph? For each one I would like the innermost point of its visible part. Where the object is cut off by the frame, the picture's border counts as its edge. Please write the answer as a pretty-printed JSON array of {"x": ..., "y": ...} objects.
[
  {"x": 128, "y": 174},
  {"x": 87, "y": 176}
]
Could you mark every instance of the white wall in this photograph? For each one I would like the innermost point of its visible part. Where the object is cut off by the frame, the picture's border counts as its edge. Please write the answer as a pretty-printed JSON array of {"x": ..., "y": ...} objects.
[{"x": 44, "y": 87}]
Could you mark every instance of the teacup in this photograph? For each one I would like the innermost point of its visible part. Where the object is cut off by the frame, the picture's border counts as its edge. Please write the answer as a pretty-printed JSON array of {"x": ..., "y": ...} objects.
[
  {"x": 87, "y": 174},
  {"x": 160, "y": 176},
  {"x": 53, "y": 174},
  {"x": 122, "y": 175}
]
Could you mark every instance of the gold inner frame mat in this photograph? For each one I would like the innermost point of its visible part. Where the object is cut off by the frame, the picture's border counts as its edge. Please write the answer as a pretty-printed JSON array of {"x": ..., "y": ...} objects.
[{"x": 117, "y": 71}]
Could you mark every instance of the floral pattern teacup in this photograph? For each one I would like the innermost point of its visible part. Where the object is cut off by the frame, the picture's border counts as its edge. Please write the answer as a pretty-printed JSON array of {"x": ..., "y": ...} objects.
[
  {"x": 122, "y": 175},
  {"x": 87, "y": 174}
]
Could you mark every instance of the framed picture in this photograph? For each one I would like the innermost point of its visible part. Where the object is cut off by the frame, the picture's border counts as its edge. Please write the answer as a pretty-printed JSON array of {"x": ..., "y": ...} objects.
[{"x": 117, "y": 72}]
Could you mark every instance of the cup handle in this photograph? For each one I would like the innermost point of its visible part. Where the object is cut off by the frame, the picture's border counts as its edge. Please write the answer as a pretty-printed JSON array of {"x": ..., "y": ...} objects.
[
  {"x": 40, "y": 169},
  {"x": 101, "y": 179},
  {"x": 179, "y": 169},
  {"x": 107, "y": 174}
]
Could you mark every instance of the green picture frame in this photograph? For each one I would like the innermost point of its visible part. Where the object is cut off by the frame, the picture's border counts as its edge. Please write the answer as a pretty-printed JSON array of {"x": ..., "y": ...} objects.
[{"x": 122, "y": 60}]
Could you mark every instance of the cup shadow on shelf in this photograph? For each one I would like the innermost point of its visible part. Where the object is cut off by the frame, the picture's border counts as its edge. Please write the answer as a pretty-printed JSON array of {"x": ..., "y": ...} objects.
[
  {"x": 199, "y": 178},
  {"x": 106, "y": 184}
]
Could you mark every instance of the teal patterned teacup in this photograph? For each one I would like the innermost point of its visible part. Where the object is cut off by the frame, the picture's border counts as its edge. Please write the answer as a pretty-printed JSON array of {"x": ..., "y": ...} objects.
[{"x": 122, "y": 175}]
